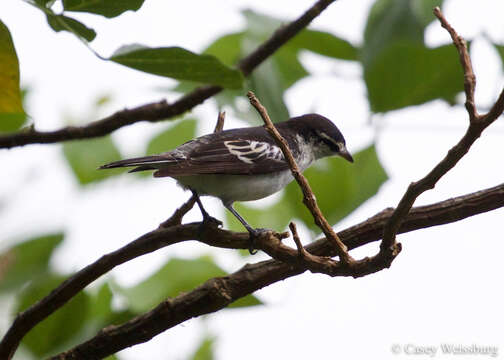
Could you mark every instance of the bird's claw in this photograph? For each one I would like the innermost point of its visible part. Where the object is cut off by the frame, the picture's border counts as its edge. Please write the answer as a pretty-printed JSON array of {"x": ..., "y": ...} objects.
[
  {"x": 211, "y": 221},
  {"x": 254, "y": 235},
  {"x": 208, "y": 222}
]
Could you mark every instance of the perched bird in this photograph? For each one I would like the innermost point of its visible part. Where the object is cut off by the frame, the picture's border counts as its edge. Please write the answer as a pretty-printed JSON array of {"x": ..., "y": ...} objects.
[{"x": 243, "y": 164}]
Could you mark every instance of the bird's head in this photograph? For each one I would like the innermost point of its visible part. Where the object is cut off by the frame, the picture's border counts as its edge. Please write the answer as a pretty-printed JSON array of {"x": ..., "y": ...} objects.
[{"x": 324, "y": 136}]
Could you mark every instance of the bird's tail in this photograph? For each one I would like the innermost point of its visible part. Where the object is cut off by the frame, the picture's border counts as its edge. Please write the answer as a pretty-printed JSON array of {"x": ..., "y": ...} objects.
[{"x": 141, "y": 163}]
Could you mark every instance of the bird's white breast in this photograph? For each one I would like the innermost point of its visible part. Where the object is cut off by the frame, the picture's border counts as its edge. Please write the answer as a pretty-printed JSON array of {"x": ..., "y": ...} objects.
[{"x": 230, "y": 188}]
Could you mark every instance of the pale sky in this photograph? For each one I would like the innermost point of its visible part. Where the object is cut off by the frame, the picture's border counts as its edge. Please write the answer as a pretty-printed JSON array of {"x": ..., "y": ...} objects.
[{"x": 442, "y": 289}]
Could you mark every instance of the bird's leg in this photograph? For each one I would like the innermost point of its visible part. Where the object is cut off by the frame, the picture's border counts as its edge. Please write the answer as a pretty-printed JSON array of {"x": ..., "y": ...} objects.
[
  {"x": 207, "y": 219},
  {"x": 254, "y": 233}
]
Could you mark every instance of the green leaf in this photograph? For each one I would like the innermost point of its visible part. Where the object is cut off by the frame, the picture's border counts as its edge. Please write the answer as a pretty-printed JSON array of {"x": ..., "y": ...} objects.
[
  {"x": 275, "y": 216},
  {"x": 268, "y": 87},
  {"x": 288, "y": 66},
  {"x": 323, "y": 43},
  {"x": 27, "y": 261},
  {"x": 261, "y": 26},
  {"x": 85, "y": 156},
  {"x": 172, "y": 137},
  {"x": 205, "y": 349},
  {"x": 12, "y": 115},
  {"x": 57, "y": 330},
  {"x": 175, "y": 277},
  {"x": 424, "y": 10},
  {"x": 340, "y": 188},
  {"x": 101, "y": 305},
  {"x": 394, "y": 54},
  {"x": 227, "y": 48},
  {"x": 10, "y": 122},
  {"x": 413, "y": 74},
  {"x": 107, "y": 8},
  {"x": 64, "y": 23},
  {"x": 45, "y": 3},
  {"x": 179, "y": 64},
  {"x": 279, "y": 72},
  {"x": 391, "y": 21},
  {"x": 500, "y": 51}
]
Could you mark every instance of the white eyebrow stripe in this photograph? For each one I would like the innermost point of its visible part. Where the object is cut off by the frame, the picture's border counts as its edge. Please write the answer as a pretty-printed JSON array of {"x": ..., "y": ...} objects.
[
  {"x": 327, "y": 137},
  {"x": 340, "y": 144}
]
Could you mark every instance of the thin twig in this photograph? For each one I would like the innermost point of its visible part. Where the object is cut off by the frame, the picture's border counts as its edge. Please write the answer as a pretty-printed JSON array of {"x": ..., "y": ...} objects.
[
  {"x": 297, "y": 240},
  {"x": 178, "y": 215},
  {"x": 311, "y": 262},
  {"x": 219, "y": 126},
  {"x": 308, "y": 196},
  {"x": 160, "y": 111},
  {"x": 465, "y": 61}
]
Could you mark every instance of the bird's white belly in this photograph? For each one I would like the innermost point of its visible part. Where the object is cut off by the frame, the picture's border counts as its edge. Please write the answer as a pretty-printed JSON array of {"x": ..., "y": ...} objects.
[{"x": 231, "y": 188}]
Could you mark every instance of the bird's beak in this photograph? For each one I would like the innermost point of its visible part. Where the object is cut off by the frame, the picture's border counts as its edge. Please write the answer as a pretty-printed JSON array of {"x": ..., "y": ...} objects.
[{"x": 345, "y": 155}]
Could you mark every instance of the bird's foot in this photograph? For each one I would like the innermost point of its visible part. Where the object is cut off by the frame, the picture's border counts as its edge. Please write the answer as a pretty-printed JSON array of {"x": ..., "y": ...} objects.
[
  {"x": 208, "y": 222},
  {"x": 211, "y": 221},
  {"x": 254, "y": 235}
]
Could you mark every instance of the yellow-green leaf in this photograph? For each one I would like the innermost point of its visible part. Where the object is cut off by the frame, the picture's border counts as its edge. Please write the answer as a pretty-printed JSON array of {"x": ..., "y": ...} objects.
[{"x": 12, "y": 115}]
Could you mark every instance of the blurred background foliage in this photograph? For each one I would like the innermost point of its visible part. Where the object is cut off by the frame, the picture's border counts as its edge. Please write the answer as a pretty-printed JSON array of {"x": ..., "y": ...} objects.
[{"x": 399, "y": 70}]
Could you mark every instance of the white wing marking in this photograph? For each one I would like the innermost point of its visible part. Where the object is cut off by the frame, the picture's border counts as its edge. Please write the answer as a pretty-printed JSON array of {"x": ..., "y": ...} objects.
[{"x": 250, "y": 151}]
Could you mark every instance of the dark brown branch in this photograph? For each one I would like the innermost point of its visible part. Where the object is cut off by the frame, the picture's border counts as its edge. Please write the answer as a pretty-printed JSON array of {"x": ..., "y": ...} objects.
[
  {"x": 308, "y": 196},
  {"x": 162, "y": 110},
  {"x": 477, "y": 124},
  {"x": 217, "y": 293},
  {"x": 368, "y": 231}
]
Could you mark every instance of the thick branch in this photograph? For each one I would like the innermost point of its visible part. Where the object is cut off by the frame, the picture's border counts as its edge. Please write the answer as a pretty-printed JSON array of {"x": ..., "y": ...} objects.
[
  {"x": 218, "y": 293},
  {"x": 162, "y": 110},
  {"x": 368, "y": 231}
]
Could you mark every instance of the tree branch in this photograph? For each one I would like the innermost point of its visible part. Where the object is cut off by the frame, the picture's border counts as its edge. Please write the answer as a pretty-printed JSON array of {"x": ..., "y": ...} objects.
[
  {"x": 217, "y": 293},
  {"x": 161, "y": 110},
  {"x": 444, "y": 212},
  {"x": 477, "y": 124}
]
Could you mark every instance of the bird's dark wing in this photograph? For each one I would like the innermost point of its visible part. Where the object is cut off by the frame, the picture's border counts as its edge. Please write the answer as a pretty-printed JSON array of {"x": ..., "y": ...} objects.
[
  {"x": 227, "y": 155},
  {"x": 246, "y": 151}
]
